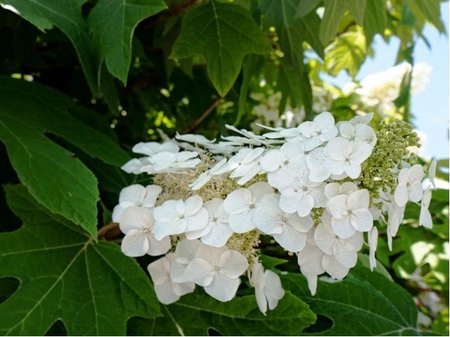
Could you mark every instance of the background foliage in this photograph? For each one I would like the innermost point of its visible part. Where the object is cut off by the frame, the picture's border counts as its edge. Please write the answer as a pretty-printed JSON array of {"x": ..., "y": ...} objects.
[{"x": 84, "y": 80}]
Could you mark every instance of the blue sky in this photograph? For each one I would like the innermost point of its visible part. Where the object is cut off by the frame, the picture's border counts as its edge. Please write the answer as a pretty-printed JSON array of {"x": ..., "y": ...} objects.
[{"x": 430, "y": 106}]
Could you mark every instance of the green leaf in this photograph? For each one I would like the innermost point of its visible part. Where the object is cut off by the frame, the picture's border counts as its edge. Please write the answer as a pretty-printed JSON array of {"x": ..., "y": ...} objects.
[
  {"x": 334, "y": 11},
  {"x": 306, "y": 6},
  {"x": 357, "y": 10},
  {"x": 375, "y": 20},
  {"x": 365, "y": 303},
  {"x": 66, "y": 16},
  {"x": 112, "y": 23},
  {"x": 346, "y": 52},
  {"x": 223, "y": 34},
  {"x": 194, "y": 314},
  {"x": 293, "y": 31},
  {"x": 92, "y": 287},
  {"x": 53, "y": 176},
  {"x": 430, "y": 10}
]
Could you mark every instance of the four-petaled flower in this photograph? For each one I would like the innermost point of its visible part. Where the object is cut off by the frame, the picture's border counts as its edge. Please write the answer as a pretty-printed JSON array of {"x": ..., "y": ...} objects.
[{"x": 409, "y": 185}]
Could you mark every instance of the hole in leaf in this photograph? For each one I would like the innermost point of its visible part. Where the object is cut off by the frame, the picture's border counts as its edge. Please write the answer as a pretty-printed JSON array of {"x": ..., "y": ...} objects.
[
  {"x": 8, "y": 287},
  {"x": 322, "y": 324},
  {"x": 57, "y": 329},
  {"x": 213, "y": 332}
]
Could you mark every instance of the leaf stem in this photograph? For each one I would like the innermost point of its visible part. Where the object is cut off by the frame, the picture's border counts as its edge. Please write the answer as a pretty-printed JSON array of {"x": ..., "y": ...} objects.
[{"x": 102, "y": 231}]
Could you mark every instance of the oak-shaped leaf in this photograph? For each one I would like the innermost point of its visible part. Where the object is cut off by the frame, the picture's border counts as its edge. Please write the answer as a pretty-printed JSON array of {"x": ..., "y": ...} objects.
[
  {"x": 53, "y": 176},
  {"x": 64, "y": 275},
  {"x": 223, "y": 34}
]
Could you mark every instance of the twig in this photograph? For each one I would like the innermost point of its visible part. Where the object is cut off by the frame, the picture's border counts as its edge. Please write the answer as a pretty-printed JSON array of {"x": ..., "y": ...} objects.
[
  {"x": 203, "y": 116},
  {"x": 102, "y": 231}
]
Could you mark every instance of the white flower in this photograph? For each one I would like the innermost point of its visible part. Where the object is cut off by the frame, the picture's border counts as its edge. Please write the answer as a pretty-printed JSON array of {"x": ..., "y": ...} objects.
[
  {"x": 425, "y": 215},
  {"x": 206, "y": 176},
  {"x": 320, "y": 130},
  {"x": 344, "y": 250},
  {"x": 346, "y": 156},
  {"x": 196, "y": 139},
  {"x": 359, "y": 133},
  {"x": 171, "y": 161},
  {"x": 137, "y": 224},
  {"x": 334, "y": 189},
  {"x": 242, "y": 203},
  {"x": 217, "y": 231},
  {"x": 135, "y": 195},
  {"x": 282, "y": 164},
  {"x": 217, "y": 270},
  {"x": 289, "y": 230},
  {"x": 301, "y": 196},
  {"x": 310, "y": 261},
  {"x": 317, "y": 162},
  {"x": 409, "y": 185},
  {"x": 167, "y": 291},
  {"x": 268, "y": 288},
  {"x": 178, "y": 216},
  {"x": 373, "y": 242},
  {"x": 432, "y": 173},
  {"x": 152, "y": 148},
  {"x": 134, "y": 165},
  {"x": 185, "y": 252},
  {"x": 350, "y": 213},
  {"x": 244, "y": 165}
]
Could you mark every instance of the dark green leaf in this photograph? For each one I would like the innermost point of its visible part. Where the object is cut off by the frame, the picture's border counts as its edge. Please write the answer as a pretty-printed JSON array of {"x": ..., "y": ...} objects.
[
  {"x": 112, "y": 23},
  {"x": 375, "y": 19},
  {"x": 357, "y": 10},
  {"x": 306, "y": 6},
  {"x": 53, "y": 176},
  {"x": 334, "y": 11},
  {"x": 194, "y": 314},
  {"x": 223, "y": 34},
  {"x": 92, "y": 287},
  {"x": 365, "y": 303}
]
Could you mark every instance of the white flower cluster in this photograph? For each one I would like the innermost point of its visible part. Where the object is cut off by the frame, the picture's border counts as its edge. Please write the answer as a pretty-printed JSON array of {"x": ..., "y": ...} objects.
[{"x": 299, "y": 185}]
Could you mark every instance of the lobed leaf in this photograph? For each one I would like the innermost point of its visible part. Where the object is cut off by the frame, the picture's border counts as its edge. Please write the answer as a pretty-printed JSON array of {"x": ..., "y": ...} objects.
[
  {"x": 223, "y": 34},
  {"x": 92, "y": 287},
  {"x": 52, "y": 175}
]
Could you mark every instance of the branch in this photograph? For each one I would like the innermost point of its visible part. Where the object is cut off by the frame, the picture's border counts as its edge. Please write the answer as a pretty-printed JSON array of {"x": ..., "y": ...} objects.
[
  {"x": 107, "y": 228},
  {"x": 198, "y": 121}
]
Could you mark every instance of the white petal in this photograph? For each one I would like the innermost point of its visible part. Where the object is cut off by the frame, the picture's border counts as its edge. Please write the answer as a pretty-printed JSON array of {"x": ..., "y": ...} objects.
[
  {"x": 362, "y": 220},
  {"x": 197, "y": 221},
  {"x": 309, "y": 260},
  {"x": 324, "y": 238},
  {"x": 147, "y": 148},
  {"x": 162, "y": 160},
  {"x": 157, "y": 247},
  {"x": 152, "y": 193},
  {"x": 291, "y": 239},
  {"x": 193, "y": 205},
  {"x": 261, "y": 300},
  {"x": 342, "y": 227},
  {"x": 272, "y": 160},
  {"x": 345, "y": 257},
  {"x": 361, "y": 152},
  {"x": 237, "y": 201},
  {"x": 159, "y": 270},
  {"x": 117, "y": 213},
  {"x": 132, "y": 195},
  {"x": 312, "y": 283},
  {"x": 337, "y": 206},
  {"x": 232, "y": 264},
  {"x": 181, "y": 289},
  {"x": 334, "y": 268},
  {"x": 358, "y": 199},
  {"x": 347, "y": 130},
  {"x": 218, "y": 236},
  {"x": 241, "y": 223},
  {"x": 401, "y": 195},
  {"x": 353, "y": 170},
  {"x": 338, "y": 149},
  {"x": 416, "y": 173},
  {"x": 199, "y": 271},
  {"x": 165, "y": 293},
  {"x": 415, "y": 191},
  {"x": 259, "y": 190},
  {"x": 373, "y": 242},
  {"x": 135, "y": 243},
  {"x": 136, "y": 218},
  {"x": 273, "y": 289},
  {"x": 332, "y": 190},
  {"x": 432, "y": 172},
  {"x": 223, "y": 288},
  {"x": 305, "y": 205},
  {"x": 301, "y": 224}
]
